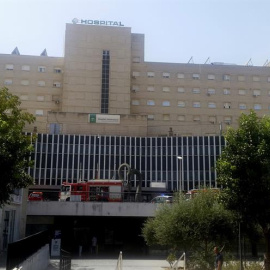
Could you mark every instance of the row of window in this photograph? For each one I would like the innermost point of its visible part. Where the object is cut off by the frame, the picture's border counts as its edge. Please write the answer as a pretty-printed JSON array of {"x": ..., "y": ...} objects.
[
  {"x": 26, "y": 82},
  {"x": 197, "y": 104},
  {"x": 197, "y": 76},
  {"x": 195, "y": 118},
  {"x": 210, "y": 91},
  {"x": 28, "y": 68}
]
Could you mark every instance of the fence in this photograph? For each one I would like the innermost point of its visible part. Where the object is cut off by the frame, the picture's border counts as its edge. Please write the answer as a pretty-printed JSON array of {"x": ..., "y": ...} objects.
[
  {"x": 181, "y": 262},
  {"x": 20, "y": 250},
  {"x": 65, "y": 260}
]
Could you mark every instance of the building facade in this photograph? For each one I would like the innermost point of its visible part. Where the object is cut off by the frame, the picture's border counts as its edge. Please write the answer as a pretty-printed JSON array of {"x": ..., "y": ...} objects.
[{"x": 103, "y": 86}]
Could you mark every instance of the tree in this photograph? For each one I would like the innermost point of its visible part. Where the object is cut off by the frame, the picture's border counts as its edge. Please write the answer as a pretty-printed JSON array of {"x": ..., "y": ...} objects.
[
  {"x": 244, "y": 172},
  {"x": 195, "y": 225},
  {"x": 15, "y": 147}
]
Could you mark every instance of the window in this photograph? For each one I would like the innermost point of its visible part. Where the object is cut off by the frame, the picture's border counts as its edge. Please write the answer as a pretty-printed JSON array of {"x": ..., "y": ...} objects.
[
  {"x": 150, "y": 117},
  {"x": 24, "y": 82},
  {"x": 57, "y": 70},
  {"x": 150, "y": 88},
  {"x": 181, "y": 90},
  {"x": 40, "y": 98},
  {"x": 196, "y": 90},
  {"x": 256, "y": 93},
  {"x": 25, "y": 68},
  {"x": 227, "y": 105},
  {"x": 136, "y": 59},
  {"x": 150, "y": 102},
  {"x": 150, "y": 74},
  {"x": 180, "y": 76},
  {"x": 196, "y": 104},
  {"x": 211, "y": 77},
  {"x": 55, "y": 128},
  {"x": 211, "y": 91},
  {"x": 212, "y": 105},
  {"x": 196, "y": 118},
  {"x": 23, "y": 97},
  {"x": 41, "y": 83},
  {"x": 135, "y": 102},
  {"x": 196, "y": 76},
  {"x": 256, "y": 78},
  {"x": 226, "y": 91},
  {"x": 166, "y": 89},
  {"x": 242, "y": 106},
  {"x": 166, "y": 75},
  {"x": 135, "y": 74},
  {"x": 39, "y": 112},
  {"x": 7, "y": 82},
  {"x": 135, "y": 88},
  {"x": 166, "y": 103},
  {"x": 56, "y": 84},
  {"x": 228, "y": 120},
  {"x": 257, "y": 106},
  {"x": 226, "y": 77},
  {"x": 41, "y": 69},
  {"x": 181, "y": 104},
  {"x": 9, "y": 67},
  {"x": 241, "y": 92},
  {"x": 166, "y": 117},
  {"x": 268, "y": 79},
  {"x": 181, "y": 118},
  {"x": 241, "y": 78},
  {"x": 212, "y": 119}
]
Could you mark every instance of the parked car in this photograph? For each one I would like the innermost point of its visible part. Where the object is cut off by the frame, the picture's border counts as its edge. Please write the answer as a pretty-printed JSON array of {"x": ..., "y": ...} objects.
[
  {"x": 162, "y": 199},
  {"x": 36, "y": 196}
]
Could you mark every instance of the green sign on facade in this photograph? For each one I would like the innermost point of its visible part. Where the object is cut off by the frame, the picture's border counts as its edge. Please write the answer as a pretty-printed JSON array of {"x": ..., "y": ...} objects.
[{"x": 92, "y": 118}]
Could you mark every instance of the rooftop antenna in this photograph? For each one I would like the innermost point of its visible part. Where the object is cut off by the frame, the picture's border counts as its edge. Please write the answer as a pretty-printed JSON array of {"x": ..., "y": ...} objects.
[
  {"x": 207, "y": 60},
  {"x": 249, "y": 63},
  {"x": 267, "y": 63},
  {"x": 16, "y": 51},
  {"x": 191, "y": 59}
]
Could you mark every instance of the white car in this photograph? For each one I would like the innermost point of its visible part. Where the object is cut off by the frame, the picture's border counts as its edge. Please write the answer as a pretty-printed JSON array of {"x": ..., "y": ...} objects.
[{"x": 162, "y": 199}]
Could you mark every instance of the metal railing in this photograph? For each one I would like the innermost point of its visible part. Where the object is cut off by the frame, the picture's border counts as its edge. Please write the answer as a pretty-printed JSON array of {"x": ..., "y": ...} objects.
[
  {"x": 181, "y": 262},
  {"x": 65, "y": 260},
  {"x": 119, "y": 265}
]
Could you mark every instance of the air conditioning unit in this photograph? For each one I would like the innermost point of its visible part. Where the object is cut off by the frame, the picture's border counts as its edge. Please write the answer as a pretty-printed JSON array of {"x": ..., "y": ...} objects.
[
  {"x": 208, "y": 94},
  {"x": 255, "y": 95},
  {"x": 57, "y": 101}
]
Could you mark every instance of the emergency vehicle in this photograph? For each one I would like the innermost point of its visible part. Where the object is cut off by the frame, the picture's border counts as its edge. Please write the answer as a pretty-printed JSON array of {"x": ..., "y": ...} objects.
[
  {"x": 193, "y": 192},
  {"x": 92, "y": 190}
]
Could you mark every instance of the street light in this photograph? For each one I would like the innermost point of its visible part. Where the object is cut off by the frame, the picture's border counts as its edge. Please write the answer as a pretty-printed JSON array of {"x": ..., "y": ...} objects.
[{"x": 180, "y": 175}]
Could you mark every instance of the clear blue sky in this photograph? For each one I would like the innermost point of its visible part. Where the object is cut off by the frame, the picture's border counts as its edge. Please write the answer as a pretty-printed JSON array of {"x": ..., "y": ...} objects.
[{"x": 230, "y": 31}]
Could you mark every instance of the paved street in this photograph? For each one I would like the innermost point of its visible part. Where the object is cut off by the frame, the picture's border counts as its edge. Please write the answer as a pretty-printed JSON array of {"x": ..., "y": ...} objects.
[{"x": 109, "y": 264}]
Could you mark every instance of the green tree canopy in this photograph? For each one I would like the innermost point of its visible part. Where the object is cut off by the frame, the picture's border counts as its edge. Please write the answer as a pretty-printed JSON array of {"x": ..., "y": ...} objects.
[
  {"x": 244, "y": 172},
  {"x": 15, "y": 147},
  {"x": 194, "y": 225}
]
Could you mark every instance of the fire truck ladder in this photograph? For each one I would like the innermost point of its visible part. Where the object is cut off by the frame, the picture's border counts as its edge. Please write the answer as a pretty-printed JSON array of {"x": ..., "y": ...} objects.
[{"x": 130, "y": 173}]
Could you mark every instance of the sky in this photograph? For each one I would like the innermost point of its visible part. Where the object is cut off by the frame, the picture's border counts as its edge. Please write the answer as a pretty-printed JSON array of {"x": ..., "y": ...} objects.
[{"x": 176, "y": 31}]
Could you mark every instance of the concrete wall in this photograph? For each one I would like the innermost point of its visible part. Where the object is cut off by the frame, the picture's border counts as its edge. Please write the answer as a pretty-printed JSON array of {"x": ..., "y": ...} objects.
[
  {"x": 104, "y": 209},
  {"x": 40, "y": 260}
]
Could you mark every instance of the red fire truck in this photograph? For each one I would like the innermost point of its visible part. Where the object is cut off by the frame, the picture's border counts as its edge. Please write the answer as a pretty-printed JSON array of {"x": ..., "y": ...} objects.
[{"x": 92, "y": 190}]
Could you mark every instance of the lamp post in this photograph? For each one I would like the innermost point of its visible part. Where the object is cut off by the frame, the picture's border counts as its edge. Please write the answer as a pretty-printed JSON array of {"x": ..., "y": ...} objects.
[{"x": 180, "y": 175}]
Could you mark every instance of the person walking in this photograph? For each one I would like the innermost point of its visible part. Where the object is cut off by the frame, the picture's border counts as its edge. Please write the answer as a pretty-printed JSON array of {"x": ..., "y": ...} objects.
[
  {"x": 94, "y": 245},
  {"x": 218, "y": 259}
]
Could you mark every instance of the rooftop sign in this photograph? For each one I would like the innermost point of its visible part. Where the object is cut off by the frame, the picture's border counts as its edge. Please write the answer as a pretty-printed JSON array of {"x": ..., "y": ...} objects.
[{"x": 96, "y": 22}]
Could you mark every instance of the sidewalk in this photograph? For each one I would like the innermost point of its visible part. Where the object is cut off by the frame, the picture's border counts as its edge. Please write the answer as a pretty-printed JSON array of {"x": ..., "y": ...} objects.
[{"x": 109, "y": 264}]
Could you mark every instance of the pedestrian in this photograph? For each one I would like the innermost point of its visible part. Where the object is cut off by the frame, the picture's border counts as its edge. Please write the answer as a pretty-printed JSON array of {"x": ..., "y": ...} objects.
[
  {"x": 94, "y": 245},
  {"x": 218, "y": 259}
]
